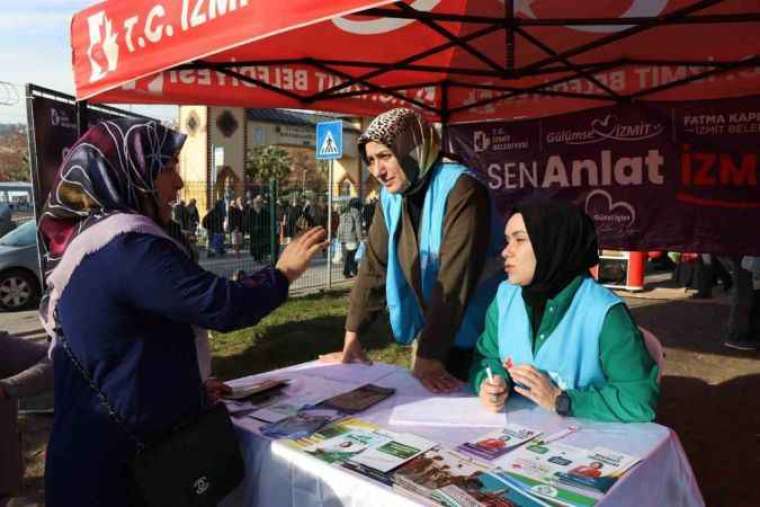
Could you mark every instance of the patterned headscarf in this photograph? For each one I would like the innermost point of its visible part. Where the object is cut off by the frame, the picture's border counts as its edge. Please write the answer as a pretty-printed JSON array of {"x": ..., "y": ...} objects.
[
  {"x": 111, "y": 169},
  {"x": 413, "y": 141}
]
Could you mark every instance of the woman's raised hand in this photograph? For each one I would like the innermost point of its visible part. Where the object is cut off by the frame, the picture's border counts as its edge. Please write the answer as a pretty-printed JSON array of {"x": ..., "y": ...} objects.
[{"x": 295, "y": 259}]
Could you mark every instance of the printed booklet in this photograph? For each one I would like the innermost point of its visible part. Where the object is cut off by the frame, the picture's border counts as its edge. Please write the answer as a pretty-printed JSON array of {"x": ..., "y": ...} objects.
[
  {"x": 565, "y": 474},
  {"x": 435, "y": 469},
  {"x": 454, "y": 479},
  {"x": 394, "y": 452},
  {"x": 359, "y": 399},
  {"x": 245, "y": 390},
  {"x": 343, "y": 447},
  {"x": 303, "y": 424},
  {"x": 499, "y": 442}
]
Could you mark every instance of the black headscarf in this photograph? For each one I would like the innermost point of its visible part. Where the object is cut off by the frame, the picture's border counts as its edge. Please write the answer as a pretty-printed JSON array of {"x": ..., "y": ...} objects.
[{"x": 565, "y": 244}]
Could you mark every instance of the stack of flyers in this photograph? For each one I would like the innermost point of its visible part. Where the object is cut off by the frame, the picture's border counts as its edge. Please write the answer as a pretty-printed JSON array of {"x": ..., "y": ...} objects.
[
  {"x": 600, "y": 470},
  {"x": 499, "y": 442},
  {"x": 489, "y": 493},
  {"x": 346, "y": 446},
  {"x": 279, "y": 410},
  {"x": 457, "y": 480},
  {"x": 241, "y": 390},
  {"x": 369, "y": 473},
  {"x": 394, "y": 452},
  {"x": 332, "y": 430},
  {"x": 435, "y": 469},
  {"x": 303, "y": 424},
  {"x": 562, "y": 473}
]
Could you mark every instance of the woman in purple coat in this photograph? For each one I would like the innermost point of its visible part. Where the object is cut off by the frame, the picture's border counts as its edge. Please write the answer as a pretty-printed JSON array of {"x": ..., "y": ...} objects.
[{"x": 128, "y": 299}]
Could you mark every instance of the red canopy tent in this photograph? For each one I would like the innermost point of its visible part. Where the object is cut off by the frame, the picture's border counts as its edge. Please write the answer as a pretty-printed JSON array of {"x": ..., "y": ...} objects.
[{"x": 454, "y": 60}]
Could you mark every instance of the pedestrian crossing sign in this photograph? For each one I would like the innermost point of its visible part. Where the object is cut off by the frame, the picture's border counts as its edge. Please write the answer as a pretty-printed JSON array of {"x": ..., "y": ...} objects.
[{"x": 329, "y": 140}]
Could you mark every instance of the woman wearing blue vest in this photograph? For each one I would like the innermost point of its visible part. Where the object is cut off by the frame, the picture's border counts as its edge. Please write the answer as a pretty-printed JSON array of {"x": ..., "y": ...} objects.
[
  {"x": 553, "y": 334},
  {"x": 427, "y": 252}
]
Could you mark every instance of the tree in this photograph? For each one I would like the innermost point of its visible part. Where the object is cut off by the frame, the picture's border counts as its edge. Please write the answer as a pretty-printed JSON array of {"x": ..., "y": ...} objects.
[
  {"x": 14, "y": 155},
  {"x": 264, "y": 163},
  {"x": 305, "y": 175}
]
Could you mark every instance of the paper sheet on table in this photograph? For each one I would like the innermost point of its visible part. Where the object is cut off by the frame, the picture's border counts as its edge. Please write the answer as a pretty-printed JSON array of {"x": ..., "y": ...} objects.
[
  {"x": 459, "y": 411},
  {"x": 352, "y": 373}
]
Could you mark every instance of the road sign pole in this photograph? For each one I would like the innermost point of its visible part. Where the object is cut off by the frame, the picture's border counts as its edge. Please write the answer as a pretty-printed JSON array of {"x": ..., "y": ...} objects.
[
  {"x": 329, "y": 146},
  {"x": 329, "y": 223}
]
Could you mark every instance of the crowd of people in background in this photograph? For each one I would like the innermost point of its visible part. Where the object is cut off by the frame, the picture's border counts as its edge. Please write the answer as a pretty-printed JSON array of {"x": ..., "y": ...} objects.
[{"x": 241, "y": 223}]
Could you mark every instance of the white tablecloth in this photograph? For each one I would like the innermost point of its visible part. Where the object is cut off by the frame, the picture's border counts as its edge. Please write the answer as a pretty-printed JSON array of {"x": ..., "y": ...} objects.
[{"x": 279, "y": 476}]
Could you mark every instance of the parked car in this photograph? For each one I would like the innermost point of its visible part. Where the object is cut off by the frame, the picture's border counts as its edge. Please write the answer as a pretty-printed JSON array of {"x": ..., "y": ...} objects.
[
  {"x": 20, "y": 280},
  {"x": 6, "y": 222}
]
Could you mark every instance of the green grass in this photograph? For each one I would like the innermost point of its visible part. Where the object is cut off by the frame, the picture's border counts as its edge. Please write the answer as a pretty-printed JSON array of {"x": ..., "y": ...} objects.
[{"x": 299, "y": 331}]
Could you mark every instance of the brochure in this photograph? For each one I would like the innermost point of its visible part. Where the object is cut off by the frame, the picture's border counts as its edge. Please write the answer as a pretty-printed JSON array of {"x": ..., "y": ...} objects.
[
  {"x": 304, "y": 423},
  {"x": 280, "y": 410},
  {"x": 242, "y": 391},
  {"x": 602, "y": 468},
  {"x": 499, "y": 442},
  {"x": 559, "y": 472},
  {"x": 369, "y": 473},
  {"x": 358, "y": 399},
  {"x": 397, "y": 450},
  {"x": 332, "y": 430},
  {"x": 454, "y": 479},
  {"x": 435, "y": 469},
  {"x": 346, "y": 446},
  {"x": 504, "y": 496}
]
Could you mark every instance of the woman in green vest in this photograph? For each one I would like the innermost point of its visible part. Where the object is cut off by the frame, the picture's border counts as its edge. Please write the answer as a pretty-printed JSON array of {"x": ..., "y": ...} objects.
[{"x": 554, "y": 335}]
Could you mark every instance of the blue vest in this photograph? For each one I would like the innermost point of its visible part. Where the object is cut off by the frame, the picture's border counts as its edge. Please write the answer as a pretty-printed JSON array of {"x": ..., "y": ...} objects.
[
  {"x": 570, "y": 355},
  {"x": 406, "y": 316}
]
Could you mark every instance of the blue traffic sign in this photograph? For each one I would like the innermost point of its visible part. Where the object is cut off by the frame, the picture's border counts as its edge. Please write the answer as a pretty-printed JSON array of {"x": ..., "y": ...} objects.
[{"x": 329, "y": 140}]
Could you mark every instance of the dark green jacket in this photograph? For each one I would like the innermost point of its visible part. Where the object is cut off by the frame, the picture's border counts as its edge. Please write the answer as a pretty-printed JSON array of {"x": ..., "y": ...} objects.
[{"x": 631, "y": 391}]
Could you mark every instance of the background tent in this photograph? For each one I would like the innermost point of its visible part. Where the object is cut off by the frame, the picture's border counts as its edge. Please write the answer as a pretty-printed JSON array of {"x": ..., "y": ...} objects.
[{"x": 454, "y": 60}]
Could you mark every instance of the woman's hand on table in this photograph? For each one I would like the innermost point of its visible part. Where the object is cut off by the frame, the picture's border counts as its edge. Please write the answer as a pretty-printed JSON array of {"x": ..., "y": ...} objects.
[
  {"x": 494, "y": 394},
  {"x": 295, "y": 258},
  {"x": 535, "y": 385},
  {"x": 352, "y": 352},
  {"x": 216, "y": 389},
  {"x": 433, "y": 375}
]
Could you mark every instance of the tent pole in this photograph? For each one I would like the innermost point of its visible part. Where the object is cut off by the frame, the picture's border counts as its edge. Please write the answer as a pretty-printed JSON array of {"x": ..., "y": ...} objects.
[
  {"x": 570, "y": 65},
  {"x": 397, "y": 65},
  {"x": 372, "y": 88},
  {"x": 81, "y": 117},
  {"x": 453, "y": 38},
  {"x": 655, "y": 22},
  {"x": 509, "y": 32},
  {"x": 445, "y": 115}
]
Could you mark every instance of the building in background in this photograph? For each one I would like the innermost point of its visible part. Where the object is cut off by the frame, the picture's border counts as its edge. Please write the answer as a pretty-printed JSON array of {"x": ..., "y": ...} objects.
[{"x": 213, "y": 160}]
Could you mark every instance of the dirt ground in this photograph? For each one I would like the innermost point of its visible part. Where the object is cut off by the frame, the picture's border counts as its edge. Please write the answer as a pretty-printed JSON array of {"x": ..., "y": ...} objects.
[{"x": 709, "y": 398}]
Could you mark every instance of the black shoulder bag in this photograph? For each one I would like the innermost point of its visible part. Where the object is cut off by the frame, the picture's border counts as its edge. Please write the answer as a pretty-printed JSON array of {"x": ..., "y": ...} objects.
[{"x": 197, "y": 464}]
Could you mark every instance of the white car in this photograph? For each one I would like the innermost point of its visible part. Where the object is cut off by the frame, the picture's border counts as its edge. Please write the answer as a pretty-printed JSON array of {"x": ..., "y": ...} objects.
[{"x": 20, "y": 280}]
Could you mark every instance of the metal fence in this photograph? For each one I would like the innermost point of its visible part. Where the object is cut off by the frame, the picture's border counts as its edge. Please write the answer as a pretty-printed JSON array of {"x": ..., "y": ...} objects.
[{"x": 227, "y": 242}]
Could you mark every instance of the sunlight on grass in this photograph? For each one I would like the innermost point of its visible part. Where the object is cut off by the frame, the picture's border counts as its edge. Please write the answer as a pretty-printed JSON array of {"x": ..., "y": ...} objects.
[{"x": 299, "y": 331}]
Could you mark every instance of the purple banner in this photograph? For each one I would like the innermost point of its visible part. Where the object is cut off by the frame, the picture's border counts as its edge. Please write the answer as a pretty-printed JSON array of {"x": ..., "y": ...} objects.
[
  {"x": 655, "y": 176},
  {"x": 55, "y": 130}
]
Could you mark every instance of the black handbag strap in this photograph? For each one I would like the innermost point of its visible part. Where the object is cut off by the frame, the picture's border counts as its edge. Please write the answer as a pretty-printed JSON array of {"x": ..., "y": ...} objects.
[{"x": 112, "y": 413}]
